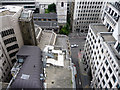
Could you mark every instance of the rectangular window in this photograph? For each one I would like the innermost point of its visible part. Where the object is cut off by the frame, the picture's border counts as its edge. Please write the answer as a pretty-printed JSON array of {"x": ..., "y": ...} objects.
[
  {"x": 110, "y": 70},
  {"x": 62, "y": 4},
  {"x": 110, "y": 84},
  {"x": 7, "y": 32},
  {"x": 12, "y": 47},
  {"x": 13, "y": 54},
  {"x": 106, "y": 76},
  {"x": 114, "y": 79}
]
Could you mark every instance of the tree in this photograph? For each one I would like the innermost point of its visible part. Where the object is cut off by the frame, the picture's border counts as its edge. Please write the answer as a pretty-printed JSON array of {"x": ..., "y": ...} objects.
[
  {"x": 52, "y": 8},
  {"x": 64, "y": 30}
]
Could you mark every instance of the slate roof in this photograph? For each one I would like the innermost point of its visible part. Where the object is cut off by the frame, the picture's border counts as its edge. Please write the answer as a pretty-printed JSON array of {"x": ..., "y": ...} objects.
[
  {"x": 46, "y": 23},
  {"x": 46, "y": 16},
  {"x": 32, "y": 66}
]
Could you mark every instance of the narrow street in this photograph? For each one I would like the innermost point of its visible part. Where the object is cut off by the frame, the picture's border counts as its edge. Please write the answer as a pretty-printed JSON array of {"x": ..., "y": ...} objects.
[{"x": 75, "y": 38}]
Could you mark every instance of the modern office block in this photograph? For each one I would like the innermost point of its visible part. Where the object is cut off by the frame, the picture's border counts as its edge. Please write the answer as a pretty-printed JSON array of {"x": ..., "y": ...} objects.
[
  {"x": 102, "y": 57},
  {"x": 10, "y": 38},
  {"x": 86, "y": 12}
]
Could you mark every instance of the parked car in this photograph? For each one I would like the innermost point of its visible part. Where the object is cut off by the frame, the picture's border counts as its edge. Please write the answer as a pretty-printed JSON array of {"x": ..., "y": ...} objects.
[{"x": 74, "y": 45}]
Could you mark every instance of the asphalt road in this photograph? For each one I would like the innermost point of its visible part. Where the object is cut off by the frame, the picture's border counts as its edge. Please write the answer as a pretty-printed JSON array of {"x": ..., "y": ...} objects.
[{"x": 78, "y": 39}]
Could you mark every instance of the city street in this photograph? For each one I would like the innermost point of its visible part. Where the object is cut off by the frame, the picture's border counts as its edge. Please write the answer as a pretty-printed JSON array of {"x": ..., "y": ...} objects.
[{"x": 78, "y": 39}]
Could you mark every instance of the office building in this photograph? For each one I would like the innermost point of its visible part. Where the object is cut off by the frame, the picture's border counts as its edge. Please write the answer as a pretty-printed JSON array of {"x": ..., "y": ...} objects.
[
  {"x": 17, "y": 29},
  {"x": 10, "y": 38},
  {"x": 102, "y": 49},
  {"x": 86, "y": 12},
  {"x": 111, "y": 18},
  {"x": 102, "y": 57}
]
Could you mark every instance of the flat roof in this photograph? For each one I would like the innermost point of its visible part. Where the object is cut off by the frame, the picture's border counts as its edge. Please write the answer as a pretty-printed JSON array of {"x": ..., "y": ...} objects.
[
  {"x": 50, "y": 24},
  {"x": 108, "y": 37},
  {"x": 61, "y": 40},
  {"x": 59, "y": 77},
  {"x": 29, "y": 74},
  {"x": 45, "y": 16},
  {"x": 9, "y": 10},
  {"x": 98, "y": 27},
  {"x": 45, "y": 39}
]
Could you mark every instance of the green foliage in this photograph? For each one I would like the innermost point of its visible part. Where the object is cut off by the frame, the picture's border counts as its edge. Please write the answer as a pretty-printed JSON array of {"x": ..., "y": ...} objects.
[
  {"x": 46, "y": 11},
  {"x": 52, "y": 8},
  {"x": 65, "y": 30}
]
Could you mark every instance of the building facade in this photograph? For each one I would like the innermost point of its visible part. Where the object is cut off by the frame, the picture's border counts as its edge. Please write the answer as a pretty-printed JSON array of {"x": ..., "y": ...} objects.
[
  {"x": 102, "y": 49},
  {"x": 61, "y": 8},
  {"x": 26, "y": 24},
  {"x": 111, "y": 18},
  {"x": 16, "y": 29},
  {"x": 10, "y": 38},
  {"x": 101, "y": 57},
  {"x": 86, "y": 12}
]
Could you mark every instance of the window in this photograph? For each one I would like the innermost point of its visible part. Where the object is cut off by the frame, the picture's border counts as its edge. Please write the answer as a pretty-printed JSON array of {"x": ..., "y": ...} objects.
[
  {"x": 117, "y": 86},
  {"x": 106, "y": 76},
  {"x": 100, "y": 75},
  {"x": 13, "y": 54},
  {"x": 110, "y": 70},
  {"x": 110, "y": 84},
  {"x": 62, "y": 4},
  {"x": 10, "y": 40},
  {"x": 103, "y": 69},
  {"x": 12, "y": 47},
  {"x": 103, "y": 82},
  {"x": 7, "y": 32},
  {"x": 13, "y": 61},
  {"x": 114, "y": 79},
  {"x": 106, "y": 63}
]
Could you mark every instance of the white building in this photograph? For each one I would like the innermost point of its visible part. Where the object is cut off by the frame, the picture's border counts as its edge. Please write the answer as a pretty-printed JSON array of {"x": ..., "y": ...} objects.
[
  {"x": 61, "y": 8},
  {"x": 10, "y": 38},
  {"x": 86, "y": 12},
  {"x": 102, "y": 49},
  {"x": 29, "y": 4},
  {"x": 111, "y": 19}
]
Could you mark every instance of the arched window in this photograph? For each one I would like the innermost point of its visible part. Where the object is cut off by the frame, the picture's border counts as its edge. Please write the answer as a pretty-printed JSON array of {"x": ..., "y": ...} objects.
[{"x": 62, "y": 4}]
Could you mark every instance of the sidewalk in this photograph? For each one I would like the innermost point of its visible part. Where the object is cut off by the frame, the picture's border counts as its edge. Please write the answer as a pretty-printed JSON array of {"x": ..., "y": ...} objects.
[{"x": 85, "y": 78}]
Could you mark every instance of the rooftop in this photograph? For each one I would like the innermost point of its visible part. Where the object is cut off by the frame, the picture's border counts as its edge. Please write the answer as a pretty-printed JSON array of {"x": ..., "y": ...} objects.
[
  {"x": 47, "y": 38},
  {"x": 46, "y": 16},
  {"x": 26, "y": 14},
  {"x": 9, "y": 10},
  {"x": 32, "y": 67},
  {"x": 108, "y": 37},
  {"x": 97, "y": 28},
  {"x": 47, "y": 24},
  {"x": 59, "y": 77}
]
